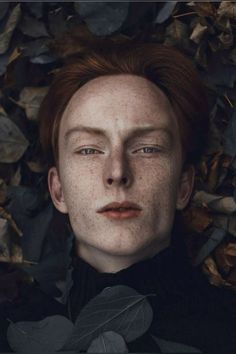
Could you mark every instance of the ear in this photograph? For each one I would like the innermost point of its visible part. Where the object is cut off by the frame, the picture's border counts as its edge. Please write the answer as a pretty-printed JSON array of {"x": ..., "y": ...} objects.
[
  {"x": 55, "y": 189},
  {"x": 185, "y": 187}
]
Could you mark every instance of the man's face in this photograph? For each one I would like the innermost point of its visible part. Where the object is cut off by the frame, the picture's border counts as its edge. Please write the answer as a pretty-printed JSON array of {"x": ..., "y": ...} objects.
[{"x": 151, "y": 161}]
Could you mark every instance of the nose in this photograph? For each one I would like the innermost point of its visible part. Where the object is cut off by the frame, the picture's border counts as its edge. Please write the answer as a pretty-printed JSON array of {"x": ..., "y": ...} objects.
[{"x": 117, "y": 171}]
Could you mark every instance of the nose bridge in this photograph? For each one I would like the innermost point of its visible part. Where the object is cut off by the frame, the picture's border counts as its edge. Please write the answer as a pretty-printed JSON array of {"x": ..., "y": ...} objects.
[
  {"x": 116, "y": 162},
  {"x": 117, "y": 166}
]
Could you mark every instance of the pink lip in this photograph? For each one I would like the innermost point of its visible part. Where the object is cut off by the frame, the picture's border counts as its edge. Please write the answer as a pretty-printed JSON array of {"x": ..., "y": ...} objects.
[
  {"x": 126, "y": 214},
  {"x": 116, "y": 205}
]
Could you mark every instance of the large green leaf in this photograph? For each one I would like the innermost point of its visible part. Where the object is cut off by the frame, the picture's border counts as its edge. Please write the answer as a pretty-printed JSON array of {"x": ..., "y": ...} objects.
[
  {"x": 49, "y": 334},
  {"x": 120, "y": 309}
]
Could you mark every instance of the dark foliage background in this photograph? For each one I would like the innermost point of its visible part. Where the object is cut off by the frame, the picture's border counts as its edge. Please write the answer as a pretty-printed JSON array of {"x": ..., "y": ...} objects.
[{"x": 35, "y": 38}]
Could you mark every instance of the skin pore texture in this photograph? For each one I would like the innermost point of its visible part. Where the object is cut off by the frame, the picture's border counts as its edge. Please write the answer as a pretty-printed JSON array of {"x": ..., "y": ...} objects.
[{"x": 151, "y": 162}]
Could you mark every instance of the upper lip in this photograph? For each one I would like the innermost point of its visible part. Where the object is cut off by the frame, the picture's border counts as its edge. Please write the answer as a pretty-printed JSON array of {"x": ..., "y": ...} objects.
[{"x": 117, "y": 205}]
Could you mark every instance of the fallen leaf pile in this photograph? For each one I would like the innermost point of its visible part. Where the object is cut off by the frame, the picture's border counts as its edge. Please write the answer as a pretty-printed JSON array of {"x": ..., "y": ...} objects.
[{"x": 36, "y": 37}]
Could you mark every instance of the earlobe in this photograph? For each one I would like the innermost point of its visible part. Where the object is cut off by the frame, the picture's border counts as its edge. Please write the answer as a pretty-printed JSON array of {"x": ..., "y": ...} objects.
[
  {"x": 185, "y": 187},
  {"x": 55, "y": 189}
]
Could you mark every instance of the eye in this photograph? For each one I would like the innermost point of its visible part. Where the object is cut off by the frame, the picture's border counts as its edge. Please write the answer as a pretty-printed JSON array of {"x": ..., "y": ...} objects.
[
  {"x": 149, "y": 149},
  {"x": 88, "y": 151}
]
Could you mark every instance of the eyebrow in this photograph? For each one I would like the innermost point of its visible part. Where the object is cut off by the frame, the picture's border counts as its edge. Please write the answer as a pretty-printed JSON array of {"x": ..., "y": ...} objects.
[{"x": 100, "y": 132}]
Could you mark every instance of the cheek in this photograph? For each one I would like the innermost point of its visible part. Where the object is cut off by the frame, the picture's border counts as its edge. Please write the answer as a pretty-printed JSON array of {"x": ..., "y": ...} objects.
[
  {"x": 158, "y": 184},
  {"x": 79, "y": 183}
]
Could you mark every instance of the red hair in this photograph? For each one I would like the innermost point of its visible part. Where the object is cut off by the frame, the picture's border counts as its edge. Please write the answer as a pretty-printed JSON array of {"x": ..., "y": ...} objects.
[{"x": 165, "y": 66}]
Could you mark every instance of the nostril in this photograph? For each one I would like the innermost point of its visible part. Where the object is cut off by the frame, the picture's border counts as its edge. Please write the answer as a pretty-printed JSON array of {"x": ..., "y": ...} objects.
[{"x": 109, "y": 180}]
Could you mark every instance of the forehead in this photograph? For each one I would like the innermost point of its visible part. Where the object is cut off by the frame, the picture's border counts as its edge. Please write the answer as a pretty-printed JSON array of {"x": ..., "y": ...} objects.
[{"x": 119, "y": 103}]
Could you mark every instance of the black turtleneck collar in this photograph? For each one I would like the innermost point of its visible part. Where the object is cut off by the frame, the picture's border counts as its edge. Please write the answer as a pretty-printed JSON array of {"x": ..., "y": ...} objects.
[{"x": 168, "y": 272}]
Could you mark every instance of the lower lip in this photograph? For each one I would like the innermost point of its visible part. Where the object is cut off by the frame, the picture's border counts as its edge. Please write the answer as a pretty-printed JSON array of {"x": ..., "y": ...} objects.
[{"x": 127, "y": 214}]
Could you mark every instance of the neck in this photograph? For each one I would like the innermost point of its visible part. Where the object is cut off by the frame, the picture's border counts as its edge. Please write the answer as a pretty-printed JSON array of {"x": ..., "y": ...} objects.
[{"x": 113, "y": 263}]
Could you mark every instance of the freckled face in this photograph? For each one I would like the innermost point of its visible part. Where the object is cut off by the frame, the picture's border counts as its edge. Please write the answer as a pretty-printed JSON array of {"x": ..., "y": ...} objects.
[{"x": 151, "y": 161}]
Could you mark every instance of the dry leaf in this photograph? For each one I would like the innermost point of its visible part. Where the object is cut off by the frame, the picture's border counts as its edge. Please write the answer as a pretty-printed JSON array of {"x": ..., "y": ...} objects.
[
  {"x": 30, "y": 99},
  {"x": 217, "y": 203},
  {"x": 198, "y": 32},
  {"x": 14, "y": 55},
  {"x": 230, "y": 250},
  {"x": 16, "y": 178},
  {"x": 35, "y": 166},
  {"x": 4, "y": 241},
  {"x": 176, "y": 33},
  {"x": 5, "y": 37},
  {"x": 203, "y": 8},
  {"x": 227, "y": 9},
  {"x": 13, "y": 143},
  {"x": 209, "y": 267},
  {"x": 197, "y": 218},
  {"x": 10, "y": 249}
]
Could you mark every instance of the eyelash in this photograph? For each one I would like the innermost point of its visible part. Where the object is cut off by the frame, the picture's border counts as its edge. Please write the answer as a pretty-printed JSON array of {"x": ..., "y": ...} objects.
[{"x": 146, "y": 147}]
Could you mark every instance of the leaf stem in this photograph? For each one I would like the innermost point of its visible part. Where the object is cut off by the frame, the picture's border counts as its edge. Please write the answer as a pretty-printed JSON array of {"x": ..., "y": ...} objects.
[
  {"x": 228, "y": 100},
  {"x": 185, "y": 14}
]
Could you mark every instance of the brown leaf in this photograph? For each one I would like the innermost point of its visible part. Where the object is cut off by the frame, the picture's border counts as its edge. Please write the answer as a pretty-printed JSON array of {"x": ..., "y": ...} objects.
[
  {"x": 204, "y": 8},
  {"x": 198, "y": 32},
  {"x": 14, "y": 55},
  {"x": 35, "y": 166},
  {"x": 177, "y": 34},
  {"x": 197, "y": 218},
  {"x": 5, "y": 37},
  {"x": 230, "y": 250},
  {"x": 209, "y": 267},
  {"x": 30, "y": 99},
  {"x": 4, "y": 241},
  {"x": 227, "y": 9},
  {"x": 10, "y": 249}
]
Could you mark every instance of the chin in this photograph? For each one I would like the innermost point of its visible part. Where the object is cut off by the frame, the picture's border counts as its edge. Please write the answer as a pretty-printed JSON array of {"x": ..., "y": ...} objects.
[{"x": 125, "y": 250}]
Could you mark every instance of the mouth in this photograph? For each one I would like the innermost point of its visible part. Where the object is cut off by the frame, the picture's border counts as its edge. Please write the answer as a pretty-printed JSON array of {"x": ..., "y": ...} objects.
[{"x": 121, "y": 213}]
